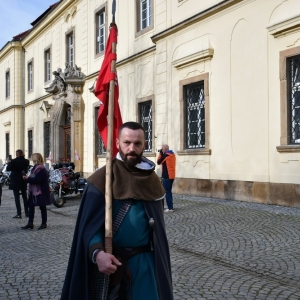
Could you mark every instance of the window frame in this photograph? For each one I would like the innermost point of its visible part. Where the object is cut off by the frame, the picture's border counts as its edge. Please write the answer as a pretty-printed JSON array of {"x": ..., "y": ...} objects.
[
  {"x": 139, "y": 30},
  {"x": 285, "y": 145},
  {"x": 30, "y": 75},
  {"x": 141, "y": 102},
  {"x": 68, "y": 35},
  {"x": 100, "y": 10},
  {"x": 292, "y": 110},
  {"x": 7, "y": 84},
  {"x": 47, "y": 64},
  {"x": 189, "y": 109},
  {"x": 183, "y": 130}
]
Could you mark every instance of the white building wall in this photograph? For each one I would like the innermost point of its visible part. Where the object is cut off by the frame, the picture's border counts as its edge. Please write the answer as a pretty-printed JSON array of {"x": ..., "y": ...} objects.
[{"x": 244, "y": 84}]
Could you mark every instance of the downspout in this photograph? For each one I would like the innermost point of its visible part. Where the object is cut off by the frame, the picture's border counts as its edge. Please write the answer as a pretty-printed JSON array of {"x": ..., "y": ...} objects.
[{"x": 23, "y": 99}]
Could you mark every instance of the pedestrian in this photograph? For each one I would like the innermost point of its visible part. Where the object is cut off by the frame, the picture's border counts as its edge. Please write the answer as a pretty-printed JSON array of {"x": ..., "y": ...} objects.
[
  {"x": 167, "y": 159},
  {"x": 140, "y": 247},
  {"x": 18, "y": 166},
  {"x": 39, "y": 193}
]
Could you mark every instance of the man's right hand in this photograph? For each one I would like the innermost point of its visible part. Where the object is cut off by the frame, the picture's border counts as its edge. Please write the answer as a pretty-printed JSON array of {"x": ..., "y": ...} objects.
[{"x": 107, "y": 263}]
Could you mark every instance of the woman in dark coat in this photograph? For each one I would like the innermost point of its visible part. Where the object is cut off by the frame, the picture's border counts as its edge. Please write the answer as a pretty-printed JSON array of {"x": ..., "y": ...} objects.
[{"x": 39, "y": 193}]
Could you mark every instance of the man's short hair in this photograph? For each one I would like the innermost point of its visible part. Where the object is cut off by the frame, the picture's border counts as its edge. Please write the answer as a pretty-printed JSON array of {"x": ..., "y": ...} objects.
[
  {"x": 20, "y": 152},
  {"x": 133, "y": 126}
]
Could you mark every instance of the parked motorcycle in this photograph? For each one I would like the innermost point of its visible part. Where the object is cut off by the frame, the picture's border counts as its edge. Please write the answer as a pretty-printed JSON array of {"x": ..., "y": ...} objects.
[
  {"x": 4, "y": 175},
  {"x": 64, "y": 181}
]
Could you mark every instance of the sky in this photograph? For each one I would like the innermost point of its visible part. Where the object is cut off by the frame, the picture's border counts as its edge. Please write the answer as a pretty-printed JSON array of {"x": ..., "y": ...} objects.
[{"x": 16, "y": 16}]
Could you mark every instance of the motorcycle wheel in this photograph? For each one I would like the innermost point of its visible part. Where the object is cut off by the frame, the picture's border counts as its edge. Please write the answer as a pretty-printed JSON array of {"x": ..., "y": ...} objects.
[{"x": 58, "y": 202}]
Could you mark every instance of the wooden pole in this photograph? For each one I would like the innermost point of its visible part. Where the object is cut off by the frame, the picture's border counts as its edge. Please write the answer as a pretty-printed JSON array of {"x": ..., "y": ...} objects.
[{"x": 109, "y": 152}]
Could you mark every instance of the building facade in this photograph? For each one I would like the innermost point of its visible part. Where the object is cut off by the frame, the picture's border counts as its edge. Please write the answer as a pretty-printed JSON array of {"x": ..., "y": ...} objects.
[{"x": 219, "y": 81}]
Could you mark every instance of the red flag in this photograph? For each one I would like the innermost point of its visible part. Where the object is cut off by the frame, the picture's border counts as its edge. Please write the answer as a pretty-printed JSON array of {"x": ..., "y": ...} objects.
[{"x": 102, "y": 92}]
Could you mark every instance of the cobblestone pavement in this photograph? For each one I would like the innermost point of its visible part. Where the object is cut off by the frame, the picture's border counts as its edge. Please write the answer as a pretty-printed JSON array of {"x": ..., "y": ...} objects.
[{"x": 219, "y": 250}]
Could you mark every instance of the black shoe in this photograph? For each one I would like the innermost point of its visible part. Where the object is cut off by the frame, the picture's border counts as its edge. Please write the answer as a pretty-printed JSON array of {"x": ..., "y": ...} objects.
[
  {"x": 28, "y": 226},
  {"x": 17, "y": 217},
  {"x": 43, "y": 226}
]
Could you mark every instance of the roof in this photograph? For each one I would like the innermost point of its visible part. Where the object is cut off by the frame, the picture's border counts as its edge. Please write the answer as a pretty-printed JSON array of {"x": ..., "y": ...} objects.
[
  {"x": 21, "y": 35},
  {"x": 45, "y": 13}
]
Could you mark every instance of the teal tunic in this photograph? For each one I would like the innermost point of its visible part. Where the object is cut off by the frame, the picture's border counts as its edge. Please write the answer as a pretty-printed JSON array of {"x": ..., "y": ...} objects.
[{"x": 134, "y": 232}]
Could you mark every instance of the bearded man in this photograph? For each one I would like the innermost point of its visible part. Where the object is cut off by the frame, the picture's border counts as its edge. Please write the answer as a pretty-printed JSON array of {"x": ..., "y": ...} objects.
[{"x": 140, "y": 247}]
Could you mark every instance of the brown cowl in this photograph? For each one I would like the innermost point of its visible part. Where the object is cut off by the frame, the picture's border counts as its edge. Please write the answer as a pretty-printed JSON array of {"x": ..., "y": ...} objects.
[{"x": 129, "y": 182}]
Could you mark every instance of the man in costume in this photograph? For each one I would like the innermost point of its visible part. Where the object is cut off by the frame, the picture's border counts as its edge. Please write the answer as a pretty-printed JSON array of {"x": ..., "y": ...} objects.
[{"x": 140, "y": 246}]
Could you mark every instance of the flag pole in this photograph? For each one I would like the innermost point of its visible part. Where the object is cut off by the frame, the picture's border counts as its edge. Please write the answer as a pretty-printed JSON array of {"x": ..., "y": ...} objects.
[{"x": 109, "y": 150}]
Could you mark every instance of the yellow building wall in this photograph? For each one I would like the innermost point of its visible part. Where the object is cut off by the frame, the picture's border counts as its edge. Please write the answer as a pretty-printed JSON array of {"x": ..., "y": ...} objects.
[{"x": 243, "y": 70}]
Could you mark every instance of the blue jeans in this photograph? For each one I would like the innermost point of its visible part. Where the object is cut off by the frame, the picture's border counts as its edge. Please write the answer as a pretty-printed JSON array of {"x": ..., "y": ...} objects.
[{"x": 168, "y": 183}]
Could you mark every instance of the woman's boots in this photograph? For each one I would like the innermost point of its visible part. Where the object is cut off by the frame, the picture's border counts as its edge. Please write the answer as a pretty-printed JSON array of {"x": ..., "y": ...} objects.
[{"x": 28, "y": 226}]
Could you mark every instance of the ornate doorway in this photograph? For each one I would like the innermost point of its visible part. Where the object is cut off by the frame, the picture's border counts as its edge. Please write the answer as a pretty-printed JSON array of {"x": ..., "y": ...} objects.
[{"x": 66, "y": 115}]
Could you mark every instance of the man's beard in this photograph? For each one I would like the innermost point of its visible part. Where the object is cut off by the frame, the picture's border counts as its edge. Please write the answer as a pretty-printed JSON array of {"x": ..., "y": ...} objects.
[{"x": 131, "y": 162}]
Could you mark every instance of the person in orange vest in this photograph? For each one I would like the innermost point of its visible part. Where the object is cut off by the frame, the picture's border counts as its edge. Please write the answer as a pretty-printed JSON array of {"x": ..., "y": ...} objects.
[{"x": 167, "y": 159}]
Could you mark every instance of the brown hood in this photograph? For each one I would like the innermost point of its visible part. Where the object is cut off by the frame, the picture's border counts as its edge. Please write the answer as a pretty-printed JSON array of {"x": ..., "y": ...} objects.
[{"x": 130, "y": 182}]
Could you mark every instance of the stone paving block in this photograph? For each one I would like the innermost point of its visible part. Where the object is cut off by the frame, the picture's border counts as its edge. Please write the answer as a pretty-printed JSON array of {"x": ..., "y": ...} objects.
[{"x": 219, "y": 250}]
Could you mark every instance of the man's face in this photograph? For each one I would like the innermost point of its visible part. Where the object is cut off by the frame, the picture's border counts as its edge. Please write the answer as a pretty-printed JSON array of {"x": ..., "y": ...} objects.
[
  {"x": 131, "y": 146},
  {"x": 164, "y": 148}
]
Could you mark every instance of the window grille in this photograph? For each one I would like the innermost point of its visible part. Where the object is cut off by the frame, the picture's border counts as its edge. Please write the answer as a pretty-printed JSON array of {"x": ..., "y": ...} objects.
[
  {"x": 195, "y": 115},
  {"x": 145, "y": 116},
  {"x": 293, "y": 84},
  {"x": 100, "y": 32},
  {"x": 7, "y": 84},
  {"x": 47, "y": 139},
  {"x": 30, "y": 143},
  {"x": 99, "y": 145},
  {"x": 7, "y": 144},
  {"x": 145, "y": 13}
]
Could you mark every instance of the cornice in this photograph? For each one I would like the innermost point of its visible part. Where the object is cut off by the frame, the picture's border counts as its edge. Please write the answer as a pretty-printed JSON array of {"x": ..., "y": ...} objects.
[
  {"x": 15, "y": 45},
  {"x": 285, "y": 27},
  {"x": 59, "y": 11},
  {"x": 135, "y": 56},
  {"x": 194, "y": 58},
  {"x": 26, "y": 104},
  {"x": 37, "y": 100},
  {"x": 125, "y": 61},
  {"x": 6, "y": 123},
  {"x": 10, "y": 107},
  {"x": 195, "y": 19},
  {"x": 288, "y": 148}
]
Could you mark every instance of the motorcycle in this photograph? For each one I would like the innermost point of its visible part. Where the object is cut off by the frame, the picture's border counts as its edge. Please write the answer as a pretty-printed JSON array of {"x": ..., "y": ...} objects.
[
  {"x": 4, "y": 175},
  {"x": 64, "y": 181}
]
